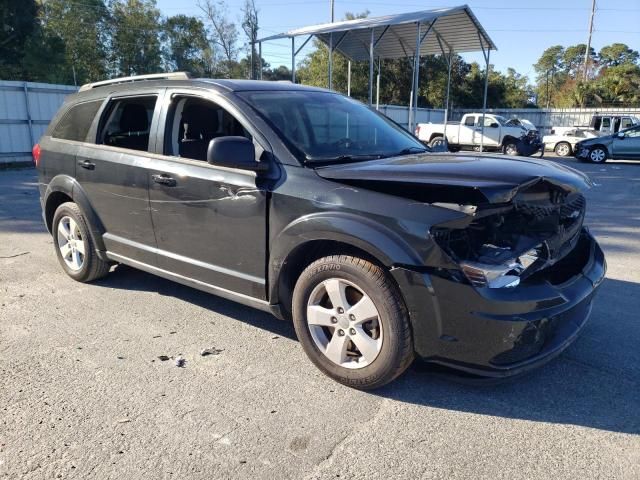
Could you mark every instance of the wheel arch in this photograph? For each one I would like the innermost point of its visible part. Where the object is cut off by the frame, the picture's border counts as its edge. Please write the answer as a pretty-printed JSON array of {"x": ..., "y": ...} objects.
[
  {"x": 64, "y": 188},
  {"x": 508, "y": 139},
  {"x": 316, "y": 236}
]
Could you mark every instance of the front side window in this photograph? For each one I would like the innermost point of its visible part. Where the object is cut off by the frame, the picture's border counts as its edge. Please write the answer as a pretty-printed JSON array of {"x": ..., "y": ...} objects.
[
  {"x": 193, "y": 122},
  {"x": 75, "y": 124},
  {"x": 324, "y": 126},
  {"x": 127, "y": 123},
  {"x": 633, "y": 132}
]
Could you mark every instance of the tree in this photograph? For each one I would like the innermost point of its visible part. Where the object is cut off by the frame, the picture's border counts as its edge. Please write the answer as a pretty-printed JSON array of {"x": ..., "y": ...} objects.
[
  {"x": 185, "y": 42},
  {"x": 18, "y": 22},
  {"x": 82, "y": 28},
  {"x": 223, "y": 32},
  {"x": 135, "y": 37},
  {"x": 617, "y": 54},
  {"x": 573, "y": 59},
  {"x": 250, "y": 27},
  {"x": 547, "y": 66}
]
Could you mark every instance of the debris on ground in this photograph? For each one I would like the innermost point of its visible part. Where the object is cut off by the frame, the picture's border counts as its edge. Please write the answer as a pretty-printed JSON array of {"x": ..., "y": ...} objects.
[
  {"x": 180, "y": 362},
  {"x": 16, "y": 255},
  {"x": 163, "y": 358},
  {"x": 211, "y": 351}
]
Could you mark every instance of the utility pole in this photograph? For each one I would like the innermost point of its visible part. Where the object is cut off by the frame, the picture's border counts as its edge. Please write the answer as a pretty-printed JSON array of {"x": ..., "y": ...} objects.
[{"x": 586, "y": 54}]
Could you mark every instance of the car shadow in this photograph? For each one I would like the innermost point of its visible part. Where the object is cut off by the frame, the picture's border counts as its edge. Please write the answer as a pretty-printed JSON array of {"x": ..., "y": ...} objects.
[{"x": 594, "y": 384}]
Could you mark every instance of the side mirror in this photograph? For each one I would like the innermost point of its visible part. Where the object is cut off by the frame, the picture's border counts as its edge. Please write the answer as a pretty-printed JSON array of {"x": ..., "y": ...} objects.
[
  {"x": 233, "y": 152},
  {"x": 494, "y": 125},
  {"x": 621, "y": 135}
]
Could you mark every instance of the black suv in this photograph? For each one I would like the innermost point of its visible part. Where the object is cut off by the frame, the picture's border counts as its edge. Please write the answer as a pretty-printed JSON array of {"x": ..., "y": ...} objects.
[{"x": 310, "y": 205}]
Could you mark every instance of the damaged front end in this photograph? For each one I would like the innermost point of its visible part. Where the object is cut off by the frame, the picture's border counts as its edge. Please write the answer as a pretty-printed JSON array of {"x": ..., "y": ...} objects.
[{"x": 499, "y": 246}]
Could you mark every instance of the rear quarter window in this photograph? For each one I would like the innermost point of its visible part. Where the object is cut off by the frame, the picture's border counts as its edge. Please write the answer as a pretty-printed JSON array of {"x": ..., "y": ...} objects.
[{"x": 75, "y": 124}]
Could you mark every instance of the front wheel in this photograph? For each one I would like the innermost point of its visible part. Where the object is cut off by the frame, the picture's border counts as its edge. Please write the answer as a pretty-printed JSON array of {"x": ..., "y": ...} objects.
[
  {"x": 351, "y": 321},
  {"x": 598, "y": 155},
  {"x": 437, "y": 142},
  {"x": 511, "y": 148}
]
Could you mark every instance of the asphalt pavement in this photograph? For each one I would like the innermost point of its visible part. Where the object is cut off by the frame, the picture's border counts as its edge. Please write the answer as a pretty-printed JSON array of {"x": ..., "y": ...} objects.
[{"x": 86, "y": 391}]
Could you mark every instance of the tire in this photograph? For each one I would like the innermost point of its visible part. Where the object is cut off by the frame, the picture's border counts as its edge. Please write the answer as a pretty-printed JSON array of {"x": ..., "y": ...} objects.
[
  {"x": 368, "y": 353},
  {"x": 510, "y": 148},
  {"x": 598, "y": 155},
  {"x": 74, "y": 248},
  {"x": 436, "y": 142},
  {"x": 563, "y": 149}
]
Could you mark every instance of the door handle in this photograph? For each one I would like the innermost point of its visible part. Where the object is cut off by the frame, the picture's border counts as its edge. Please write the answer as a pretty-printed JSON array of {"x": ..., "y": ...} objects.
[
  {"x": 87, "y": 164},
  {"x": 164, "y": 179}
]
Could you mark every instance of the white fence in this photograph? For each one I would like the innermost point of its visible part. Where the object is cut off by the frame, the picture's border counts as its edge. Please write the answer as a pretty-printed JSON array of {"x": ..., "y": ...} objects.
[{"x": 26, "y": 109}]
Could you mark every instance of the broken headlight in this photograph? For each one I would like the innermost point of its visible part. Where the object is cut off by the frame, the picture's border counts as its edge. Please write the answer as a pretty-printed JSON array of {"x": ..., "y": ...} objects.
[{"x": 501, "y": 275}]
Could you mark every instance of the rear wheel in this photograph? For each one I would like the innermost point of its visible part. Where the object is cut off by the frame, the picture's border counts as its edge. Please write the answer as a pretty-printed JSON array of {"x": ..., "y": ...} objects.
[
  {"x": 74, "y": 248},
  {"x": 351, "y": 321},
  {"x": 563, "y": 149},
  {"x": 598, "y": 155},
  {"x": 437, "y": 142}
]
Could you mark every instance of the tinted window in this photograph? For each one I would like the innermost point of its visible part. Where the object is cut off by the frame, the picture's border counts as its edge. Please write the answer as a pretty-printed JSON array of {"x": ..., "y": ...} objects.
[
  {"x": 75, "y": 124},
  {"x": 193, "y": 122},
  {"x": 127, "y": 122},
  {"x": 470, "y": 121},
  {"x": 322, "y": 126},
  {"x": 633, "y": 133},
  {"x": 626, "y": 123},
  {"x": 606, "y": 122}
]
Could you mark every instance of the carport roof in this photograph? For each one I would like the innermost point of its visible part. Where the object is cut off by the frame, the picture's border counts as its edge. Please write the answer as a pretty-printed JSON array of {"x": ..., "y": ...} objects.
[{"x": 453, "y": 29}]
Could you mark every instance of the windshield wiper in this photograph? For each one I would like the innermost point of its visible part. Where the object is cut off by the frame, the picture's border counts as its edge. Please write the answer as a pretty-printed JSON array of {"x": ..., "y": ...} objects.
[
  {"x": 344, "y": 158},
  {"x": 408, "y": 150}
]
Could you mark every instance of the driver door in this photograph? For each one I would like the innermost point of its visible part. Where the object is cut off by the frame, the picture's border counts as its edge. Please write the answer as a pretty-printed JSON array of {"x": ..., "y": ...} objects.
[
  {"x": 629, "y": 146},
  {"x": 209, "y": 220}
]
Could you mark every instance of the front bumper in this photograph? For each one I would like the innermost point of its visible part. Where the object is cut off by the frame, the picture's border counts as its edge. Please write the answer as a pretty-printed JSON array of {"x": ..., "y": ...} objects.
[
  {"x": 503, "y": 332},
  {"x": 580, "y": 152}
]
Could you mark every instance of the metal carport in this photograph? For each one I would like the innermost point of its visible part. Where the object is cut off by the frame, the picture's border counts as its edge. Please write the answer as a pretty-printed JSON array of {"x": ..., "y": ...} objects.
[{"x": 442, "y": 31}]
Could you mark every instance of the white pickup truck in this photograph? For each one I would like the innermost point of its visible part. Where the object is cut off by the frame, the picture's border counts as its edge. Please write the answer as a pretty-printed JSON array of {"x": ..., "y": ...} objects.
[{"x": 499, "y": 133}]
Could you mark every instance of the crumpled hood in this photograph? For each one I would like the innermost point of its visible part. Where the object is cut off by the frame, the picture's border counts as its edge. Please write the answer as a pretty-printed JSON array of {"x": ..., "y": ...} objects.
[{"x": 498, "y": 179}]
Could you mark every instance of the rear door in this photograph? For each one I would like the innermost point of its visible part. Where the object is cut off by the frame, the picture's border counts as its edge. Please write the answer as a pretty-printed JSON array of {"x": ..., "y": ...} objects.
[
  {"x": 113, "y": 172},
  {"x": 210, "y": 221}
]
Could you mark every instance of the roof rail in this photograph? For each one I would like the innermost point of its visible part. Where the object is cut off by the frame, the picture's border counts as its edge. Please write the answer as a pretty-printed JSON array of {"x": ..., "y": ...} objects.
[{"x": 137, "y": 78}]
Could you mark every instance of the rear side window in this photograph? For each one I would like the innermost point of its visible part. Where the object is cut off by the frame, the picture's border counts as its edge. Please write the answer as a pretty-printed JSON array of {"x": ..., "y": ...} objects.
[
  {"x": 126, "y": 123},
  {"x": 75, "y": 124},
  {"x": 470, "y": 121}
]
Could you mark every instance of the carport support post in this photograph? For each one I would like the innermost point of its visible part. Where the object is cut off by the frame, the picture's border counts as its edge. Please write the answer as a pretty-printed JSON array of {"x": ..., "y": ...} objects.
[
  {"x": 416, "y": 77},
  {"x": 331, "y": 61},
  {"x": 293, "y": 59},
  {"x": 349, "y": 78},
  {"x": 378, "y": 84},
  {"x": 487, "y": 57},
  {"x": 260, "y": 58},
  {"x": 446, "y": 107},
  {"x": 371, "y": 67}
]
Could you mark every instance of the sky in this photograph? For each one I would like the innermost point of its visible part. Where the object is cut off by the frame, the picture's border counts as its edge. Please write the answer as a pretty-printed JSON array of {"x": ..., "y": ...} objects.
[{"x": 521, "y": 30}]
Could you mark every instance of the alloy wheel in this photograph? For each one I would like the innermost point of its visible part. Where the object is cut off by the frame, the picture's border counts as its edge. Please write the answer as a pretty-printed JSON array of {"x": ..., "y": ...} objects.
[
  {"x": 71, "y": 243},
  {"x": 563, "y": 150},
  {"x": 344, "y": 323},
  {"x": 597, "y": 155}
]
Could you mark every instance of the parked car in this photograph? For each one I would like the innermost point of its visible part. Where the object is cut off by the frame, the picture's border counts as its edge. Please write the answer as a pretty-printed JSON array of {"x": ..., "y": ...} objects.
[
  {"x": 603, "y": 124},
  {"x": 623, "y": 145},
  {"x": 499, "y": 134},
  {"x": 564, "y": 144},
  {"x": 307, "y": 204}
]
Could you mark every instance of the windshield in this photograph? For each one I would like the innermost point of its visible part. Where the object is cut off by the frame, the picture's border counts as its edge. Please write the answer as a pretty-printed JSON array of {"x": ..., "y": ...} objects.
[{"x": 326, "y": 127}]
